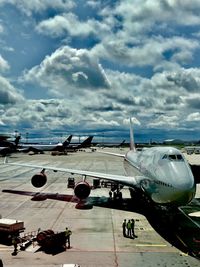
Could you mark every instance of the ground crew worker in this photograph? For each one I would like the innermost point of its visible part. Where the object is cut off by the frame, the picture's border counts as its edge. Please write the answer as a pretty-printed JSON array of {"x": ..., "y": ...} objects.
[
  {"x": 68, "y": 232},
  {"x": 124, "y": 227},
  {"x": 15, "y": 242},
  {"x": 129, "y": 228},
  {"x": 132, "y": 228}
]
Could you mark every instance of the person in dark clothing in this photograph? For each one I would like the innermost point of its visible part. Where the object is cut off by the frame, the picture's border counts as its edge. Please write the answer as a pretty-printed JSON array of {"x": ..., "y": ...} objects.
[
  {"x": 124, "y": 227},
  {"x": 15, "y": 242},
  {"x": 133, "y": 228}
]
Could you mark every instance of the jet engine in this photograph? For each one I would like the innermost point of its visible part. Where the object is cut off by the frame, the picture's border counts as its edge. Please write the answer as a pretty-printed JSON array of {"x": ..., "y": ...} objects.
[
  {"x": 82, "y": 190},
  {"x": 39, "y": 179}
]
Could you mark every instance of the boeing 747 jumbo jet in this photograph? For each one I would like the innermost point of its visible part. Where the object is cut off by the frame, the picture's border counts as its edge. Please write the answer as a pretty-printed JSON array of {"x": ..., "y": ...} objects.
[{"x": 162, "y": 174}]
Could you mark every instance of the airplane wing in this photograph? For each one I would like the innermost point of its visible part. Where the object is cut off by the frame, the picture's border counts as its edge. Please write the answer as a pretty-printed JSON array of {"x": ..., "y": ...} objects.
[
  {"x": 112, "y": 154},
  {"x": 125, "y": 180}
]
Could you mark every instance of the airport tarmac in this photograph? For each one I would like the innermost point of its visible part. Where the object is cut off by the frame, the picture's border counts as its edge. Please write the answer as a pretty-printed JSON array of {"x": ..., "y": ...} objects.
[{"x": 97, "y": 238}]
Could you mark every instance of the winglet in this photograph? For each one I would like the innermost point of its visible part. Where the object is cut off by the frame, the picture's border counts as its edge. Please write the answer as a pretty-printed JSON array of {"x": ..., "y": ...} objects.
[{"x": 132, "y": 143}]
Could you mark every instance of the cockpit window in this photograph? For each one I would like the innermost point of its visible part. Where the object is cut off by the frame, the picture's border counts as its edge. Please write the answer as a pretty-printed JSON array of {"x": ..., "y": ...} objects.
[
  {"x": 179, "y": 157},
  {"x": 173, "y": 157}
]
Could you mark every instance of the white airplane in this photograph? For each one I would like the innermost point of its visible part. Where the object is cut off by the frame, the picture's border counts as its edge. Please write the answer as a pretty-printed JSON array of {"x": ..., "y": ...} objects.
[
  {"x": 162, "y": 174},
  {"x": 40, "y": 148}
]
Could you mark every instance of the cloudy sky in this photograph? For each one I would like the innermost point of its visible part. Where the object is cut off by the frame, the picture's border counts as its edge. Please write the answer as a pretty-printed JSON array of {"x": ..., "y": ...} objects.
[{"x": 86, "y": 66}]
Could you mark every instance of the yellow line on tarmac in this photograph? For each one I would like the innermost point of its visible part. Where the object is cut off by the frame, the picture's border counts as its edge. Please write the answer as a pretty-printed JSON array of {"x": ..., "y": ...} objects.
[
  {"x": 184, "y": 254},
  {"x": 150, "y": 245}
]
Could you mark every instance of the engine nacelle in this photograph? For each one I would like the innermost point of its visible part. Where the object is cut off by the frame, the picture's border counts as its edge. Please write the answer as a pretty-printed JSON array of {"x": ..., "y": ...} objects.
[
  {"x": 38, "y": 180},
  {"x": 82, "y": 190}
]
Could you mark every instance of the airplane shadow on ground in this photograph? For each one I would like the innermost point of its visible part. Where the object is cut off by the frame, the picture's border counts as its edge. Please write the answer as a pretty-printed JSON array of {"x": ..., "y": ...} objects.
[
  {"x": 172, "y": 224},
  {"x": 52, "y": 251}
]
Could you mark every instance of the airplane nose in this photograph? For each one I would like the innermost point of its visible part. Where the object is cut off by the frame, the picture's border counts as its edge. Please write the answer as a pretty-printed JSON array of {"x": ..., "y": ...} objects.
[
  {"x": 184, "y": 184},
  {"x": 187, "y": 190}
]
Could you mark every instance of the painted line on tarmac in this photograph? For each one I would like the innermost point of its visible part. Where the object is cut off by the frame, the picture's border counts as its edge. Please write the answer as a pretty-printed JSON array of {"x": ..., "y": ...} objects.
[
  {"x": 150, "y": 245},
  {"x": 6, "y": 249}
]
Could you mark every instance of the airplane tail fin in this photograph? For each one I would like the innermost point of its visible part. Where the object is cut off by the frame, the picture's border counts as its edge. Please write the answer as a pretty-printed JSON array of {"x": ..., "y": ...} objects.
[
  {"x": 132, "y": 142},
  {"x": 17, "y": 140},
  {"x": 87, "y": 142},
  {"x": 122, "y": 142},
  {"x": 67, "y": 141}
]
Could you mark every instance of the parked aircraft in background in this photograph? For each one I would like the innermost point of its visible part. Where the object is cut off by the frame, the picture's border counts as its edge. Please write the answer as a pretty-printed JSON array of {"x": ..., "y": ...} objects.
[
  {"x": 72, "y": 147},
  {"x": 103, "y": 145},
  {"x": 8, "y": 147},
  {"x": 66, "y": 146},
  {"x": 159, "y": 174},
  {"x": 40, "y": 148}
]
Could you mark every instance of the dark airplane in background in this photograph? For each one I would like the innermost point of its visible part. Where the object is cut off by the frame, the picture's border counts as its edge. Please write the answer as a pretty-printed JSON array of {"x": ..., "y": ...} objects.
[
  {"x": 74, "y": 147},
  {"x": 8, "y": 147}
]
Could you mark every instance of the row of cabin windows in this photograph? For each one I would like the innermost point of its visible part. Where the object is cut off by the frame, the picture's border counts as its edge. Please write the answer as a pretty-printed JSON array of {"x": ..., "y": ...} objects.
[{"x": 162, "y": 183}]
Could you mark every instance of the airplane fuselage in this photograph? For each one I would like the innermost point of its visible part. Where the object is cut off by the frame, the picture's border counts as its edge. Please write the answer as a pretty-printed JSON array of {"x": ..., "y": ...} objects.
[
  {"x": 44, "y": 147},
  {"x": 163, "y": 173}
]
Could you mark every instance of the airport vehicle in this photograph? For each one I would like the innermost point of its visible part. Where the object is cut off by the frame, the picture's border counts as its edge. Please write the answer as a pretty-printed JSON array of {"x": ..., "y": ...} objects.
[
  {"x": 48, "y": 239},
  {"x": 10, "y": 228},
  {"x": 160, "y": 174}
]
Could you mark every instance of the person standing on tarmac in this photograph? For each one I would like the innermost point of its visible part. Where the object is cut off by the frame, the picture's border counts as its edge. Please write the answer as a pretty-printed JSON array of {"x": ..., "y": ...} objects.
[
  {"x": 133, "y": 228},
  {"x": 15, "y": 242},
  {"x": 68, "y": 232},
  {"x": 128, "y": 228},
  {"x": 124, "y": 227}
]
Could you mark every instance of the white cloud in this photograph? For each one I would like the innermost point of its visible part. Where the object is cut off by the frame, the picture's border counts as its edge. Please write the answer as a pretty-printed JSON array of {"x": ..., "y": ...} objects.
[
  {"x": 193, "y": 117},
  {"x": 93, "y": 84},
  {"x": 2, "y": 123},
  {"x": 1, "y": 28},
  {"x": 149, "y": 52},
  {"x": 94, "y": 3},
  {"x": 3, "y": 64},
  {"x": 37, "y": 6},
  {"x": 8, "y": 94},
  {"x": 165, "y": 121},
  {"x": 69, "y": 23},
  {"x": 134, "y": 120},
  {"x": 68, "y": 69}
]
